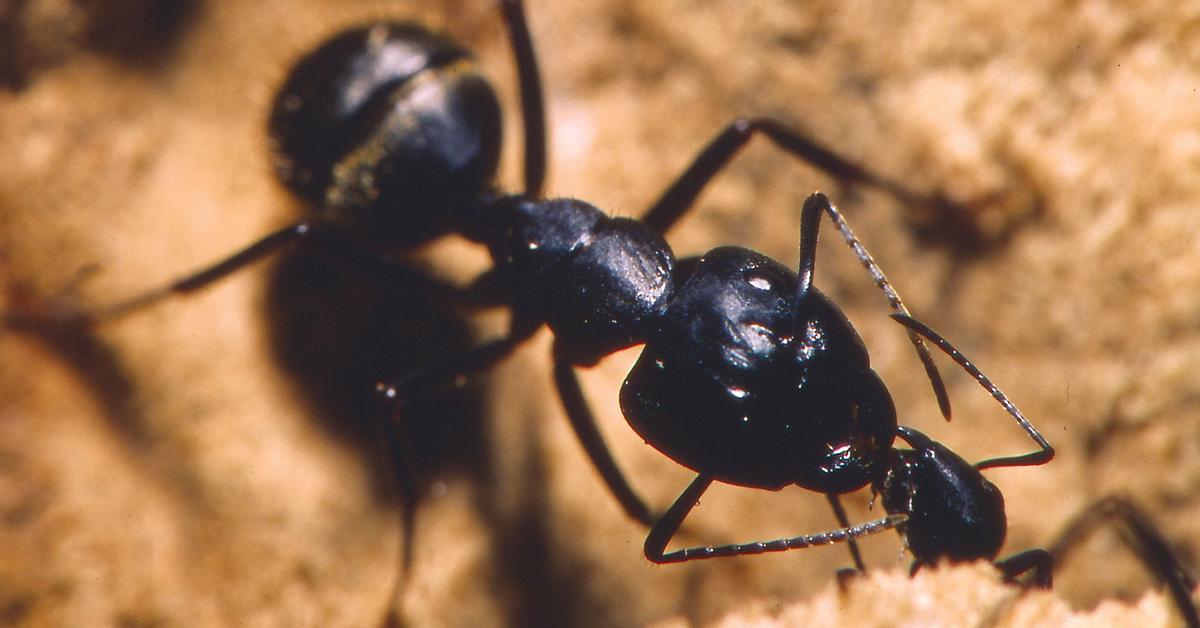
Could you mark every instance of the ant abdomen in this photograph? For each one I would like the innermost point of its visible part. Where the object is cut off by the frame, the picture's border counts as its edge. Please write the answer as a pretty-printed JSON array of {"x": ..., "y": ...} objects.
[{"x": 388, "y": 130}]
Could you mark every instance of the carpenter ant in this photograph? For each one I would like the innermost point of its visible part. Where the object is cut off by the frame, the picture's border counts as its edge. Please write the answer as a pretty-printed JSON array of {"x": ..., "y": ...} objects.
[
  {"x": 392, "y": 136},
  {"x": 749, "y": 374}
]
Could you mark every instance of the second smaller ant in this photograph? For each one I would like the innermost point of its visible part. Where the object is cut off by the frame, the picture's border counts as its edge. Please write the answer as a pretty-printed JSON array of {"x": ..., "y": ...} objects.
[
  {"x": 956, "y": 514},
  {"x": 953, "y": 514}
]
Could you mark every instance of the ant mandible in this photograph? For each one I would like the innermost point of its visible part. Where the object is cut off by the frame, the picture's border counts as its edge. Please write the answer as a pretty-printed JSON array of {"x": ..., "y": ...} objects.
[{"x": 392, "y": 136}]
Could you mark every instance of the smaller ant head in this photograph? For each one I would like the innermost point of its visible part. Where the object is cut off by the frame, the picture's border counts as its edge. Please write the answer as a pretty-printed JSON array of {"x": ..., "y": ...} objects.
[{"x": 954, "y": 513}]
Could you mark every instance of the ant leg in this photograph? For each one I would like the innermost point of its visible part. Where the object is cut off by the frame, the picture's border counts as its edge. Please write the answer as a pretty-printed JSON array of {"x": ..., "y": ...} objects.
[
  {"x": 207, "y": 275},
  {"x": 1037, "y": 560},
  {"x": 447, "y": 372},
  {"x": 533, "y": 111},
  {"x": 396, "y": 442},
  {"x": 844, "y": 521},
  {"x": 810, "y": 223},
  {"x": 1044, "y": 455},
  {"x": 678, "y": 198},
  {"x": 668, "y": 525},
  {"x": 324, "y": 240},
  {"x": 1147, "y": 543},
  {"x": 396, "y": 448},
  {"x": 584, "y": 424}
]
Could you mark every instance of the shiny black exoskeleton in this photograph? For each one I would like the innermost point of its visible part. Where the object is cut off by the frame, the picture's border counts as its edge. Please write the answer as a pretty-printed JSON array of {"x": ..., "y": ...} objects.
[
  {"x": 741, "y": 380},
  {"x": 388, "y": 131},
  {"x": 954, "y": 514},
  {"x": 832, "y": 432},
  {"x": 750, "y": 375}
]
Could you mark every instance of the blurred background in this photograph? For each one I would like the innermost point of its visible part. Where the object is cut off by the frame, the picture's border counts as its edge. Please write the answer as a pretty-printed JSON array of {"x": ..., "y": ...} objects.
[{"x": 214, "y": 460}]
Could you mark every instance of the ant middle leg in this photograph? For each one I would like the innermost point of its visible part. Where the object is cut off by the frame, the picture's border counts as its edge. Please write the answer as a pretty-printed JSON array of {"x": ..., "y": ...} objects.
[
  {"x": 398, "y": 445},
  {"x": 666, "y": 527}
]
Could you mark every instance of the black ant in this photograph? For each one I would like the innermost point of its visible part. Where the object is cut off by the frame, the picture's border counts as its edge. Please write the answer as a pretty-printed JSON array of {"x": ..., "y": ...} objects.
[
  {"x": 952, "y": 513},
  {"x": 750, "y": 375},
  {"x": 393, "y": 136}
]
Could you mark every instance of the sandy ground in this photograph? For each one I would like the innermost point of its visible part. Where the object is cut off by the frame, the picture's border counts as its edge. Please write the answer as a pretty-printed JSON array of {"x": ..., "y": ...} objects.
[{"x": 213, "y": 460}]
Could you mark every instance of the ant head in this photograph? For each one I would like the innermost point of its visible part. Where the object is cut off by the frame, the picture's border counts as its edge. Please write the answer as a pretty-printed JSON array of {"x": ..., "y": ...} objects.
[
  {"x": 729, "y": 384},
  {"x": 954, "y": 513},
  {"x": 388, "y": 130}
]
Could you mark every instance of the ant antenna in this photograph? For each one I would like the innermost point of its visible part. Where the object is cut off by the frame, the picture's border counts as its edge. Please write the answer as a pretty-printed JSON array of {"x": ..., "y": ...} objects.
[
  {"x": 810, "y": 220},
  {"x": 1025, "y": 460}
]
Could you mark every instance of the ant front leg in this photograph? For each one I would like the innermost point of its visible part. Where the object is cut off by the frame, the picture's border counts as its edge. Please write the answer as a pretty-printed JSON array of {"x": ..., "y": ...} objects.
[
  {"x": 662, "y": 532},
  {"x": 584, "y": 423},
  {"x": 840, "y": 514},
  {"x": 1039, "y": 561}
]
